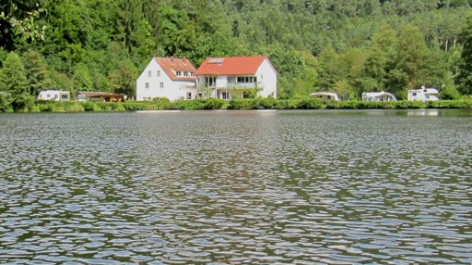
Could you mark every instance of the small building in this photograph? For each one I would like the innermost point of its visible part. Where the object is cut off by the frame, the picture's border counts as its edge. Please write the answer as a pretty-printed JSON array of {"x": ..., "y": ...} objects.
[
  {"x": 170, "y": 78},
  {"x": 378, "y": 96},
  {"x": 104, "y": 96},
  {"x": 237, "y": 77},
  {"x": 54, "y": 95},
  {"x": 325, "y": 95}
]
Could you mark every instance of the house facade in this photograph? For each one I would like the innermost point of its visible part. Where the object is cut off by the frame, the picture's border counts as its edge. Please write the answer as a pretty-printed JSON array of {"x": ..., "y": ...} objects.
[
  {"x": 171, "y": 78},
  {"x": 236, "y": 77}
]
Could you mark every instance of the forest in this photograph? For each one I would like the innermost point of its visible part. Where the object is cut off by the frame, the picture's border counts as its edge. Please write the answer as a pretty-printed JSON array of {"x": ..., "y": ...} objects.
[{"x": 346, "y": 46}]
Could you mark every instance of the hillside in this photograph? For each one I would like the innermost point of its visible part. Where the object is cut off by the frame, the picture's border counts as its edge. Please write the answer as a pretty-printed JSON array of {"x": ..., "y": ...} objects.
[{"x": 343, "y": 46}]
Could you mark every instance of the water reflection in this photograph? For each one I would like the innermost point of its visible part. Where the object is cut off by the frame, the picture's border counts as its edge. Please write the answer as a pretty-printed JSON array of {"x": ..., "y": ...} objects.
[
  {"x": 423, "y": 112},
  {"x": 235, "y": 187}
]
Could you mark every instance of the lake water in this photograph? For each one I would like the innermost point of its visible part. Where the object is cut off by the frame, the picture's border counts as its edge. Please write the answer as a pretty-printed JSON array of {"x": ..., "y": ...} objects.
[{"x": 237, "y": 187}]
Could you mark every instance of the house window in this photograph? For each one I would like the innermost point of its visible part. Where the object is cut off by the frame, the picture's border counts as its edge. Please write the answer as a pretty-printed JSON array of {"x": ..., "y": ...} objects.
[
  {"x": 246, "y": 79},
  {"x": 149, "y": 73},
  {"x": 210, "y": 81},
  {"x": 161, "y": 84},
  {"x": 147, "y": 85},
  {"x": 178, "y": 73},
  {"x": 158, "y": 73},
  {"x": 189, "y": 95}
]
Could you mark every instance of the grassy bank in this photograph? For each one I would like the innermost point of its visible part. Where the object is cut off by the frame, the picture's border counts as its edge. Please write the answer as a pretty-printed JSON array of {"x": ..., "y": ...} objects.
[{"x": 235, "y": 104}]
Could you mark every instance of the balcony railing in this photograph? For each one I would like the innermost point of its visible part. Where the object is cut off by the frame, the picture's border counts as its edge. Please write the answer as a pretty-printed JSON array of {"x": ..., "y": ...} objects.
[{"x": 241, "y": 85}]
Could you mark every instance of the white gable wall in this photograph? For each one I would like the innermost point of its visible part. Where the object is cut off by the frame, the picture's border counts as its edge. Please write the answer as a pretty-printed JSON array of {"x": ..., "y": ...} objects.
[
  {"x": 267, "y": 77},
  {"x": 162, "y": 85}
]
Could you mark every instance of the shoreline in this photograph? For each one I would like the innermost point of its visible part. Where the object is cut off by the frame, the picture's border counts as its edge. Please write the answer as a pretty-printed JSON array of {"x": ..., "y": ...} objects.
[{"x": 234, "y": 104}]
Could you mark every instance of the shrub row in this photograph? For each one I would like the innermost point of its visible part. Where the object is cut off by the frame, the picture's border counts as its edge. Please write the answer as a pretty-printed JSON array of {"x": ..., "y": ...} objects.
[{"x": 234, "y": 104}]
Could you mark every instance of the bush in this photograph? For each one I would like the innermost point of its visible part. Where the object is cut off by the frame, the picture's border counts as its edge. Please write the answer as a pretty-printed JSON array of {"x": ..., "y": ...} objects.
[
  {"x": 159, "y": 104},
  {"x": 212, "y": 103},
  {"x": 90, "y": 106},
  {"x": 268, "y": 103},
  {"x": 187, "y": 105},
  {"x": 238, "y": 103},
  {"x": 133, "y": 106},
  {"x": 5, "y": 101}
]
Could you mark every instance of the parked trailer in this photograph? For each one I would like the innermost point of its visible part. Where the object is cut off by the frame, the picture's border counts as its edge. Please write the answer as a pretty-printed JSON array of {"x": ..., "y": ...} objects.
[
  {"x": 54, "y": 95},
  {"x": 378, "y": 96},
  {"x": 325, "y": 95},
  {"x": 424, "y": 94}
]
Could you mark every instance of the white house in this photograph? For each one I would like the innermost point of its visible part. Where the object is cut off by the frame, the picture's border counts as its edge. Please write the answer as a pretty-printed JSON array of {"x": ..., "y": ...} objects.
[
  {"x": 170, "y": 78},
  {"x": 235, "y": 77}
]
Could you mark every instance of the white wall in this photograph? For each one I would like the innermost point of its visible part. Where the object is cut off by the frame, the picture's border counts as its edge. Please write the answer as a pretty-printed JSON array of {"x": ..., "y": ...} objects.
[
  {"x": 221, "y": 81},
  {"x": 173, "y": 90},
  {"x": 267, "y": 77}
]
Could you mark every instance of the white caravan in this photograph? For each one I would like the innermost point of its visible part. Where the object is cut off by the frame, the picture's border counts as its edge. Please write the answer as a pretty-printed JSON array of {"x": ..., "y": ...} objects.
[
  {"x": 423, "y": 94},
  {"x": 325, "y": 95},
  {"x": 378, "y": 96},
  {"x": 54, "y": 95}
]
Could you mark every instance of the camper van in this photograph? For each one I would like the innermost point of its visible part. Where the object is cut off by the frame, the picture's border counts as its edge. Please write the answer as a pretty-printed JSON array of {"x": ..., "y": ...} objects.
[
  {"x": 54, "y": 95},
  {"x": 378, "y": 96},
  {"x": 325, "y": 95},
  {"x": 424, "y": 94}
]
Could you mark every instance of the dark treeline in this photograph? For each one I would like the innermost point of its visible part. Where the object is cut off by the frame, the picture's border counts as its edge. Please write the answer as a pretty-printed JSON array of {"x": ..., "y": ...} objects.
[{"x": 343, "y": 46}]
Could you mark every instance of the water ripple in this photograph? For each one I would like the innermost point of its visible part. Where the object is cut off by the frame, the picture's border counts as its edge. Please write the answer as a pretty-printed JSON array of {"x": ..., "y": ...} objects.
[{"x": 243, "y": 187}]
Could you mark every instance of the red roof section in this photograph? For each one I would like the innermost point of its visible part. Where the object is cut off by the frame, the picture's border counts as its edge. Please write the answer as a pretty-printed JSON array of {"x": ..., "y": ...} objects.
[
  {"x": 173, "y": 65},
  {"x": 231, "y": 65}
]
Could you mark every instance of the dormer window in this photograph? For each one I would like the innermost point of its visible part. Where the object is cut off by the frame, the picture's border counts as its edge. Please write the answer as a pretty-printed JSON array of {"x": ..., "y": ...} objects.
[{"x": 178, "y": 73}]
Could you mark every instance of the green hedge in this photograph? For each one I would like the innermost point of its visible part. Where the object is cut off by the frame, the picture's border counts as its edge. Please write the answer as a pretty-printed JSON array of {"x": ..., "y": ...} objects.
[{"x": 234, "y": 104}]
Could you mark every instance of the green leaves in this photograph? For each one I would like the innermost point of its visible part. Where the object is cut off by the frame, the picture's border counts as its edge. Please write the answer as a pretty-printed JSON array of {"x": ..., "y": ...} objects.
[{"x": 464, "y": 76}]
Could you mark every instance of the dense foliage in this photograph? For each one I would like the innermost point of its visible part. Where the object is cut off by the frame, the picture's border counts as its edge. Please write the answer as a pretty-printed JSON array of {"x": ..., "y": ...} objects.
[
  {"x": 342, "y": 46},
  {"x": 234, "y": 104}
]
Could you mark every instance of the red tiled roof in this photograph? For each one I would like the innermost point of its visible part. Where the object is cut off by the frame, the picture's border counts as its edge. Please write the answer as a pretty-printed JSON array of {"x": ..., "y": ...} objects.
[
  {"x": 172, "y": 65},
  {"x": 231, "y": 65}
]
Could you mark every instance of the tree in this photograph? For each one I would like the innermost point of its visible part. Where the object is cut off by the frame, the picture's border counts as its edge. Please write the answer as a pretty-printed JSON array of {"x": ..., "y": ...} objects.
[
  {"x": 330, "y": 69},
  {"x": 18, "y": 16},
  {"x": 379, "y": 62},
  {"x": 13, "y": 80},
  {"x": 128, "y": 15},
  {"x": 37, "y": 72},
  {"x": 177, "y": 34},
  {"x": 464, "y": 75},
  {"x": 82, "y": 79},
  {"x": 414, "y": 57},
  {"x": 123, "y": 79}
]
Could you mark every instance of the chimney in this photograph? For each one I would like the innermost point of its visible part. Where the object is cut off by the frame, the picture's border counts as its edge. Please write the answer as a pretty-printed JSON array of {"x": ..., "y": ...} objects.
[{"x": 172, "y": 59}]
